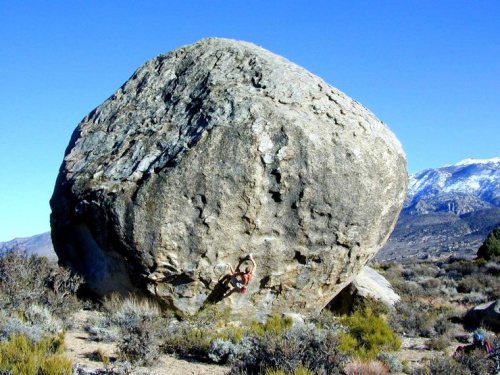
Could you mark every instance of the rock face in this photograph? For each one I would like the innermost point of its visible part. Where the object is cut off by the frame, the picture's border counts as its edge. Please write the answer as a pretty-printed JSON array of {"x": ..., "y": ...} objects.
[{"x": 217, "y": 150}]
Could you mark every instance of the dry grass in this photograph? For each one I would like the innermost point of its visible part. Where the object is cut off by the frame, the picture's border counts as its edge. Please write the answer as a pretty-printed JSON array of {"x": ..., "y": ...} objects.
[{"x": 365, "y": 368}]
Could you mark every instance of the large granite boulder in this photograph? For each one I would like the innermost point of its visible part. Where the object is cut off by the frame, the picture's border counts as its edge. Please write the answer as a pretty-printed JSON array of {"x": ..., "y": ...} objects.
[{"x": 217, "y": 150}]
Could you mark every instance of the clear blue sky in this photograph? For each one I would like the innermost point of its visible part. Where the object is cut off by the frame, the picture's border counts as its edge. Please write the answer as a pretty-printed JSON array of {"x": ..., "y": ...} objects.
[{"x": 430, "y": 69}]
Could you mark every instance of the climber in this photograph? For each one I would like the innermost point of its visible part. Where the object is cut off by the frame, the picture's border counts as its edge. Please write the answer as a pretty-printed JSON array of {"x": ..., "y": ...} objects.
[
  {"x": 239, "y": 280},
  {"x": 478, "y": 342}
]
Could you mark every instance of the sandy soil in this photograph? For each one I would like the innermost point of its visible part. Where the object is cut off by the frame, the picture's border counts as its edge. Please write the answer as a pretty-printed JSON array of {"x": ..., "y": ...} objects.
[{"x": 80, "y": 348}]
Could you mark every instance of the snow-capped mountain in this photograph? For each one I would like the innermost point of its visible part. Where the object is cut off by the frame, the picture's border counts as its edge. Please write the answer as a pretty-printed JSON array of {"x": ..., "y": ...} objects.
[
  {"x": 467, "y": 186},
  {"x": 448, "y": 211}
]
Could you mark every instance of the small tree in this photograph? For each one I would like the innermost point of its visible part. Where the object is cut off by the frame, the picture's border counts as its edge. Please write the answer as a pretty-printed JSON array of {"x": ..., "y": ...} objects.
[{"x": 490, "y": 249}]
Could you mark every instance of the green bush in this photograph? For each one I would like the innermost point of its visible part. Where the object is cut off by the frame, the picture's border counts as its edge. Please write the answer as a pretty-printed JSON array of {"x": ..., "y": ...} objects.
[
  {"x": 367, "y": 335},
  {"x": 210, "y": 315},
  {"x": 276, "y": 325},
  {"x": 21, "y": 356},
  {"x": 375, "y": 305},
  {"x": 301, "y": 370},
  {"x": 188, "y": 341},
  {"x": 490, "y": 249}
]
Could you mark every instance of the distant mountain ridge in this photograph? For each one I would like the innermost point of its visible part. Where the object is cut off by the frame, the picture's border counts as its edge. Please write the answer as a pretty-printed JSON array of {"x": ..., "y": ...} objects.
[
  {"x": 467, "y": 186},
  {"x": 40, "y": 244},
  {"x": 448, "y": 210}
]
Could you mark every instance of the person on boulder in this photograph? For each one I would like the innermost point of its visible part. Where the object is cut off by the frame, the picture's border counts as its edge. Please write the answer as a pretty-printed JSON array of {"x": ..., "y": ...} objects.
[{"x": 238, "y": 280}]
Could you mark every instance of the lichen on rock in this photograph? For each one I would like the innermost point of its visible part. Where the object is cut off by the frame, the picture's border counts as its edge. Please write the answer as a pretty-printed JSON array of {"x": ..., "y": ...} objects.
[{"x": 217, "y": 150}]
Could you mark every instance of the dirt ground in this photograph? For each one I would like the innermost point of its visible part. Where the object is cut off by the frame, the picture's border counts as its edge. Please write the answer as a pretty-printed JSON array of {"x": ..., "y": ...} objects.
[{"x": 80, "y": 349}]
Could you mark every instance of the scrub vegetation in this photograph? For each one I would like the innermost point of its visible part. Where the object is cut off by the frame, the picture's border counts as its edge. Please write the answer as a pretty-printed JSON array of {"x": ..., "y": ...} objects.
[{"x": 39, "y": 299}]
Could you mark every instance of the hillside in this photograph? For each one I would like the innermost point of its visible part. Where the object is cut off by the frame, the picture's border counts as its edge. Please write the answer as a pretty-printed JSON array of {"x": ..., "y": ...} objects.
[
  {"x": 40, "y": 244},
  {"x": 449, "y": 210}
]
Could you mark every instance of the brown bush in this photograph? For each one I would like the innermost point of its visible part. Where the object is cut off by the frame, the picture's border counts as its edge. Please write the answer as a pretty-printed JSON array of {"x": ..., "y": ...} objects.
[
  {"x": 366, "y": 368},
  {"x": 30, "y": 279}
]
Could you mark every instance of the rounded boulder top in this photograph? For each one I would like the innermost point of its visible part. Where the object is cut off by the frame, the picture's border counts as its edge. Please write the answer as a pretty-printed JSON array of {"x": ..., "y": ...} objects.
[{"x": 218, "y": 150}]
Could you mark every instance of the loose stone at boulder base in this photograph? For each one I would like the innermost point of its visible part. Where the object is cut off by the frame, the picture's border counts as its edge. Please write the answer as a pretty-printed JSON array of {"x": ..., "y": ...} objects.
[{"x": 215, "y": 151}]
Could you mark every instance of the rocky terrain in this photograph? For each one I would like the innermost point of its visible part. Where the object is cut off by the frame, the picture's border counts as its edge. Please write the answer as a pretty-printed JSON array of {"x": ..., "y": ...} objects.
[
  {"x": 215, "y": 151},
  {"x": 448, "y": 211}
]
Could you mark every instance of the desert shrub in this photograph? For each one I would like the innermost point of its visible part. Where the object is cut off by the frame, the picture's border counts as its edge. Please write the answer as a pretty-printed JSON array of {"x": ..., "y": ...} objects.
[
  {"x": 391, "y": 361},
  {"x": 490, "y": 249},
  {"x": 431, "y": 286},
  {"x": 469, "y": 284},
  {"x": 391, "y": 271},
  {"x": 101, "y": 356},
  {"x": 22, "y": 278},
  {"x": 491, "y": 286},
  {"x": 438, "y": 343},
  {"x": 307, "y": 346},
  {"x": 275, "y": 324},
  {"x": 413, "y": 319},
  {"x": 28, "y": 279},
  {"x": 43, "y": 318},
  {"x": 61, "y": 291},
  {"x": 301, "y": 370},
  {"x": 367, "y": 335},
  {"x": 481, "y": 262},
  {"x": 204, "y": 335},
  {"x": 410, "y": 290},
  {"x": 21, "y": 356},
  {"x": 426, "y": 269},
  {"x": 36, "y": 323},
  {"x": 117, "y": 368},
  {"x": 459, "y": 268},
  {"x": 101, "y": 329},
  {"x": 210, "y": 315},
  {"x": 215, "y": 340},
  {"x": 477, "y": 362},
  {"x": 327, "y": 320},
  {"x": 376, "y": 306},
  {"x": 186, "y": 340},
  {"x": 370, "y": 367},
  {"x": 443, "y": 324},
  {"x": 140, "y": 329},
  {"x": 493, "y": 268},
  {"x": 443, "y": 365},
  {"x": 225, "y": 351}
]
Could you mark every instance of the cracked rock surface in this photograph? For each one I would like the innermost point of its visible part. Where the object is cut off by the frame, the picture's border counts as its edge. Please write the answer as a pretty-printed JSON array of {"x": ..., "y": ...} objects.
[{"x": 217, "y": 150}]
